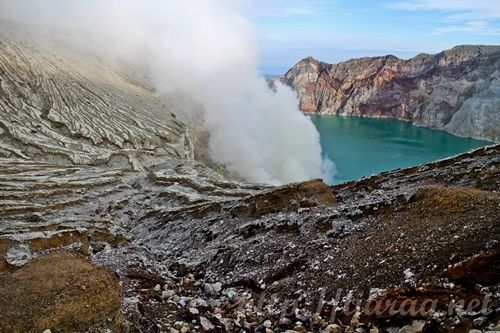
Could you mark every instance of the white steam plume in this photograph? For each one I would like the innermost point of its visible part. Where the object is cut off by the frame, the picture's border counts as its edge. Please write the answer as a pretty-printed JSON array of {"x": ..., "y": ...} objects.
[{"x": 207, "y": 50}]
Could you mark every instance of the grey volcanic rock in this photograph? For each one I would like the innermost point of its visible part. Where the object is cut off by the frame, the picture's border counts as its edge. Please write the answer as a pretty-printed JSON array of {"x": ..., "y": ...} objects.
[
  {"x": 92, "y": 161},
  {"x": 61, "y": 104},
  {"x": 457, "y": 90}
]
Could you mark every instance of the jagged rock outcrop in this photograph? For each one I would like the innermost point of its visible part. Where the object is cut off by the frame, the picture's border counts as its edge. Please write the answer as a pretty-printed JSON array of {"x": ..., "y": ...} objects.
[{"x": 457, "y": 90}]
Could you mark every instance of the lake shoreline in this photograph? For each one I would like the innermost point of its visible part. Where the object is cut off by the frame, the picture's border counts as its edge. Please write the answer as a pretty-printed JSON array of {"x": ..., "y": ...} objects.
[{"x": 364, "y": 146}]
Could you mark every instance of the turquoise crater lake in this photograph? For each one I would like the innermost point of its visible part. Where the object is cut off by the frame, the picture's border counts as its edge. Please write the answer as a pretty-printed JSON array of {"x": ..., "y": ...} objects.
[{"x": 365, "y": 146}]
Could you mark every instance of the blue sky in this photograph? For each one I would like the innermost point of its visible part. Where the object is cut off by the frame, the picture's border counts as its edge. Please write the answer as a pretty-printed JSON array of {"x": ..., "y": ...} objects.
[{"x": 335, "y": 30}]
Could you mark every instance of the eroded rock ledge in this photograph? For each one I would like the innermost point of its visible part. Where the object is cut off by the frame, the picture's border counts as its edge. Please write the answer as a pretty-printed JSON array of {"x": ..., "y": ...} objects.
[
  {"x": 229, "y": 257},
  {"x": 60, "y": 104}
]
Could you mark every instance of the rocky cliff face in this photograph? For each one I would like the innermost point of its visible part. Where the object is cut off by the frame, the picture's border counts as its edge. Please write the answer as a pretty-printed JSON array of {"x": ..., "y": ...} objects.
[
  {"x": 109, "y": 224},
  {"x": 457, "y": 90}
]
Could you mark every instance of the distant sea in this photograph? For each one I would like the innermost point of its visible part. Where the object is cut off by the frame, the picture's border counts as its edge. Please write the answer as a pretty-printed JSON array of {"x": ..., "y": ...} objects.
[{"x": 273, "y": 71}]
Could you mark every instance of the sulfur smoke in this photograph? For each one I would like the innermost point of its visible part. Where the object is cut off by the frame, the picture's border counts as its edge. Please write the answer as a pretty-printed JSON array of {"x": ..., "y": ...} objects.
[{"x": 204, "y": 49}]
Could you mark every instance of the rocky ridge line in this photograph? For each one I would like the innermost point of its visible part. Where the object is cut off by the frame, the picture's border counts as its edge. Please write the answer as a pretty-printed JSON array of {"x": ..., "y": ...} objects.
[{"x": 457, "y": 90}]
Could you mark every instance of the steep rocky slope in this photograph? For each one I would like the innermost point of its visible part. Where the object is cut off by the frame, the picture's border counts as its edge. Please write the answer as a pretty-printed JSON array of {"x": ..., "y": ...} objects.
[
  {"x": 457, "y": 90},
  {"x": 64, "y": 105},
  {"x": 109, "y": 224}
]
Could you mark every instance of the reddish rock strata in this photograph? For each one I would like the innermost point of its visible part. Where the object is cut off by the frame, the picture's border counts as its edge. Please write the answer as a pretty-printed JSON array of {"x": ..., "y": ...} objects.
[{"x": 457, "y": 90}]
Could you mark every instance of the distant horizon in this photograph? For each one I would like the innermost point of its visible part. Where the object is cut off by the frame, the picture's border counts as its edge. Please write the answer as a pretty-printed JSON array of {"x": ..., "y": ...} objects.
[
  {"x": 278, "y": 61},
  {"x": 290, "y": 57},
  {"x": 338, "y": 30}
]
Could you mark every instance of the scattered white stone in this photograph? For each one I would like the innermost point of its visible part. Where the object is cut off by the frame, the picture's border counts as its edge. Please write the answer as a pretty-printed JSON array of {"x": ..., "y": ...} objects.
[
  {"x": 157, "y": 287},
  {"x": 495, "y": 327},
  {"x": 409, "y": 276},
  {"x": 231, "y": 293},
  {"x": 206, "y": 324},
  {"x": 333, "y": 328},
  {"x": 183, "y": 301},
  {"x": 178, "y": 324},
  {"x": 18, "y": 255},
  {"x": 212, "y": 289},
  {"x": 355, "y": 319},
  {"x": 268, "y": 324},
  {"x": 197, "y": 302},
  {"x": 166, "y": 294},
  {"x": 416, "y": 327},
  {"x": 376, "y": 292},
  {"x": 479, "y": 321},
  {"x": 47, "y": 331}
]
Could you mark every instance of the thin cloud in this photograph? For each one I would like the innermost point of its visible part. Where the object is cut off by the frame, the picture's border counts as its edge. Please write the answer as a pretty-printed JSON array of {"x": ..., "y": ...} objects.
[
  {"x": 459, "y": 16},
  {"x": 288, "y": 8},
  {"x": 470, "y": 27},
  {"x": 484, "y": 7}
]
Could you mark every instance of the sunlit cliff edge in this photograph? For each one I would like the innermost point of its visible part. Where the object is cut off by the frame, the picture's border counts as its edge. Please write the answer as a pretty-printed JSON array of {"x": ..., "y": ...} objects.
[{"x": 457, "y": 90}]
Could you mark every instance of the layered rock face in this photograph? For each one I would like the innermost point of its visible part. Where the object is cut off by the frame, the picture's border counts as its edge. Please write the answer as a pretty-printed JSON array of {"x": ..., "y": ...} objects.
[
  {"x": 61, "y": 104},
  {"x": 457, "y": 90},
  {"x": 109, "y": 223}
]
